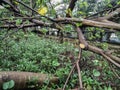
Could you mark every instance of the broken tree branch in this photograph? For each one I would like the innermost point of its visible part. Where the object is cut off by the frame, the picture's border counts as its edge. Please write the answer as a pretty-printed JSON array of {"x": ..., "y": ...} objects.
[
  {"x": 23, "y": 79},
  {"x": 82, "y": 21},
  {"x": 78, "y": 69},
  {"x": 101, "y": 52},
  {"x": 112, "y": 14}
]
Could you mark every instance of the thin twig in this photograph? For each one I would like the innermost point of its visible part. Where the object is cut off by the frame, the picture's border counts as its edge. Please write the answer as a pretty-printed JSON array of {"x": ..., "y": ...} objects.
[
  {"x": 78, "y": 68},
  {"x": 114, "y": 72},
  {"x": 79, "y": 75},
  {"x": 108, "y": 58},
  {"x": 68, "y": 77}
]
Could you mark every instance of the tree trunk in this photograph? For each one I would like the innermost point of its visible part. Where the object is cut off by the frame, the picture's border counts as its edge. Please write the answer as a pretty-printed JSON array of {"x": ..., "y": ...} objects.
[{"x": 25, "y": 79}]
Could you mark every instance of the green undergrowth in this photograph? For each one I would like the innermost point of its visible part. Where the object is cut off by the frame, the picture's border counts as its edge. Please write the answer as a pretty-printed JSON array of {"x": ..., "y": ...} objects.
[{"x": 28, "y": 52}]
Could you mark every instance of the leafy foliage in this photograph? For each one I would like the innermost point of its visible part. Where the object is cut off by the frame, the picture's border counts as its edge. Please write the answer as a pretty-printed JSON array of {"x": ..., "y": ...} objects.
[
  {"x": 31, "y": 54},
  {"x": 28, "y": 52}
]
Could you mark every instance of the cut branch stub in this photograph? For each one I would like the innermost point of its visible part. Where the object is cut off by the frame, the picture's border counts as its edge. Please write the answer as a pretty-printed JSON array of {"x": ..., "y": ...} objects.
[
  {"x": 25, "y": 79},
  {"x": 82, "y": 46}
]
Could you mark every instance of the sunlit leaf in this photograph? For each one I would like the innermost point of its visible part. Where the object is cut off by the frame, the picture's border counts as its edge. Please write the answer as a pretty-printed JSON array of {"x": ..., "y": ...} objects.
[
  {"x": 96, "y": 73},
  {"x": 55, "y": 63},
  {"x": 42, "y": 10},
  {"x": 109, "y": 88}
]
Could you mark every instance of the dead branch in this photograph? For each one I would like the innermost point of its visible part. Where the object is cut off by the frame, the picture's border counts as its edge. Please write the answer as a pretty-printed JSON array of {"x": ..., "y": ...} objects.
[
  {"x": 12, "y": 6},
  {"x": 76, "y": 66},
  {"x": 69, "y": 76},
  {"x": 110, "y": 15},
  {"x": 104, "y": 54},
  {"x": 86, "y": 22},
  {"x": 16, "y": 26},
  {"x": 23, "y": 79},
  {"x": 100, "y": 12},
  {"x": 90, "y": 23},
  {"x": 78, "y": 69}
]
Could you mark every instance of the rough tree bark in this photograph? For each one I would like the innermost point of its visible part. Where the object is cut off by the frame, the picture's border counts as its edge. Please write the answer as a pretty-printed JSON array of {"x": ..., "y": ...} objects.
[{"x": 25, "y": 79}]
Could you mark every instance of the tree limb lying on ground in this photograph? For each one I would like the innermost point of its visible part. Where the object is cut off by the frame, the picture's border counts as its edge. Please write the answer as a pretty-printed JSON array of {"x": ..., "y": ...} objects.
[{"x": 24, "y": 79}]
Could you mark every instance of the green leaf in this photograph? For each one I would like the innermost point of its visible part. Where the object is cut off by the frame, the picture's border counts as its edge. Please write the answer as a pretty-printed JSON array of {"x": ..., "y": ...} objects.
[
  {"x": 105, "y": 88},
  {"x": 118, "y": 3},
  {"x": 89, "y": 87},
  {"x": 11, "y": 18},
  {"x": 78, "y": 24},
  {"x": 5, "y": 85},
  {"x": 44, "y": 30},
  {"x": 96, "y": 73},
  {"x": 18, "y": 21},
  {"x": 86, "y": 4},
  {"x": 55, "y": 63},
  {"x": 8, "y": 85},
  {"x": 96, "y": 62},
  {"x": 11, "y": 84},
  {"x": 68, "y": 11},
  {"x": 109, "y": 88},
  {"x": 39, "y": 2}
]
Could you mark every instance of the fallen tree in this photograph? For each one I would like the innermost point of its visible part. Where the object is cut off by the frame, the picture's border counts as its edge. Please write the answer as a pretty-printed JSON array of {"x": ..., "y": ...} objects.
[
  {"x": 59, "y": 22},
  {"x": 26, "y": 79}
]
